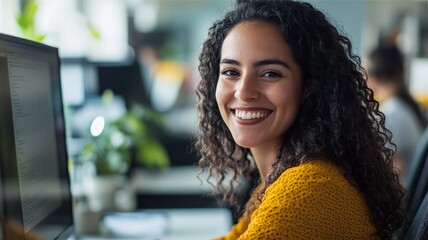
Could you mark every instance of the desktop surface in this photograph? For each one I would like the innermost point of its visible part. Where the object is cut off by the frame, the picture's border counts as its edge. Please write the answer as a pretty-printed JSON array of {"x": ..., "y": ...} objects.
[{"x": 184, "y": 224}]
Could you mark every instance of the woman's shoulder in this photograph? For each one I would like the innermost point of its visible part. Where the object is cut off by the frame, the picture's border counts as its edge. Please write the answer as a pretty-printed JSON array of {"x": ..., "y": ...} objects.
[
  {"x": 313, "y": 176},
  {"x": 313, "y": 170},
  {"x": 316, "y": 198}
]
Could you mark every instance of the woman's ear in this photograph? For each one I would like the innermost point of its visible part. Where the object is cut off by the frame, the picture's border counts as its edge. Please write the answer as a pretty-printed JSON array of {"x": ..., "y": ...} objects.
[
  {"x": 306, "y": 90},
  {"x": 306, "y": 93}
]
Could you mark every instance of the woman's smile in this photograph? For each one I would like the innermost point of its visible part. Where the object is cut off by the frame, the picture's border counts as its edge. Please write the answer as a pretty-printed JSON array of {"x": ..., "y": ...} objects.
[{"x": 243, "y": 114}]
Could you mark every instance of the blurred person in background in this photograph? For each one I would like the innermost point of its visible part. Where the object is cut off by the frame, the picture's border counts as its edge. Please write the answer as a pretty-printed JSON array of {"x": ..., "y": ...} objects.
[{"x": 403, "y": 115}]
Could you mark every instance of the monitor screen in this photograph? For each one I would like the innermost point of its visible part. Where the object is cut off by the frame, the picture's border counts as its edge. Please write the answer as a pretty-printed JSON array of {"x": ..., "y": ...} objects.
[{"x": 36, "y": 198}]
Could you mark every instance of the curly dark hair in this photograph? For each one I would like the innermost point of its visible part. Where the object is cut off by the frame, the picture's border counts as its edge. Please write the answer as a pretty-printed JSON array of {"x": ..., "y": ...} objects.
[{"x": 338, "y": 119}]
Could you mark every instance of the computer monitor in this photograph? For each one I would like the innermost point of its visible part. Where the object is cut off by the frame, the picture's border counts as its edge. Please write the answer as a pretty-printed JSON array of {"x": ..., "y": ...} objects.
[
  {"x": 124, "y": 79},
  {"x": 35, "y": 186}
]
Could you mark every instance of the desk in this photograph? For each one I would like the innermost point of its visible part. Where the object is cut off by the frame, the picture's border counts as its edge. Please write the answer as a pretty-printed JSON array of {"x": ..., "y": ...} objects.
[
  {"x": 189, "y": 224},
  {"x": 175, "y": 180},
  {"x": 188, "y": 219},
  {"x": 176, "y": 187}
]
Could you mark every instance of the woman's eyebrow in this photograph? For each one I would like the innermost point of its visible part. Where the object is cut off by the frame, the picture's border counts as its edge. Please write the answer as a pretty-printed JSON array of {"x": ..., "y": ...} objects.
[
  {"x": 271, "y": 61},
  {"x": 256, "y": 64},
  {"x": 230, "y": 61}
]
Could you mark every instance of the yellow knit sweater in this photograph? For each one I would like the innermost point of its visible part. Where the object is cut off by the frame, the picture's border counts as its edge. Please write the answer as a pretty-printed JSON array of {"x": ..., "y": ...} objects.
[{"x": 310, "y": 201}]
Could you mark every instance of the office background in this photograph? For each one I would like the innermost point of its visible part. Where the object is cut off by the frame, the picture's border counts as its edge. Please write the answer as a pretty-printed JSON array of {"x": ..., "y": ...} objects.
[{"x": 146, "y": 52}]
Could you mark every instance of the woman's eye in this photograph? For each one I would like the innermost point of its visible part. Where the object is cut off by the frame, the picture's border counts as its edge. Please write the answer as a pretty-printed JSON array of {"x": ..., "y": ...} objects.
[
  {"x": 229, "y": 73},
  {"x": 271, "y": 74}
]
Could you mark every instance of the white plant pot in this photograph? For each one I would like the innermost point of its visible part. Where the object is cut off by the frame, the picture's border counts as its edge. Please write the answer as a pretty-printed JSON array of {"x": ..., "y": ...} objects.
[{"x": 101, "y": 191}]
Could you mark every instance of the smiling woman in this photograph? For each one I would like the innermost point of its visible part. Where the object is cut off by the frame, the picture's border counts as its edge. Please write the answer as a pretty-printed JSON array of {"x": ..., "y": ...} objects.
[{"x": 281, "y": 90}]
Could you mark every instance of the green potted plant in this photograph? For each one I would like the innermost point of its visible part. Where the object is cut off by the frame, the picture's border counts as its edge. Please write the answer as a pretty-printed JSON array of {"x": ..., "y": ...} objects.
[
  {"x": 129, "y": 139},
  {"x": 122, "y": 143}
]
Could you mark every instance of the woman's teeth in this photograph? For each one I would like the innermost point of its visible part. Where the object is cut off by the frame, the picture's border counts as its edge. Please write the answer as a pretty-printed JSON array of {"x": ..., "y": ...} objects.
[{"x": 250, "y": 114}]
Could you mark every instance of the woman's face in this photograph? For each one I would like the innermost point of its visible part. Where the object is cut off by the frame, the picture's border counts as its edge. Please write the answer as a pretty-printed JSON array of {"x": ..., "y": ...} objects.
[{"x": 259, "y": 87}]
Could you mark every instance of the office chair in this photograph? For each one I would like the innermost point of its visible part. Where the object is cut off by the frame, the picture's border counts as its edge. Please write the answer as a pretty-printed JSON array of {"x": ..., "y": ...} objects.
[
  {"x": 416, "y": 181},
  {"x": 418, "y": 229}
]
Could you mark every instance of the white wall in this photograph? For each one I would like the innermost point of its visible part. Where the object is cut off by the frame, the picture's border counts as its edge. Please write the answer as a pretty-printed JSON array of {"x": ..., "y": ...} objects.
[
  {"x": 348, "y": 16},
  {"x": 8, "y": 10}
]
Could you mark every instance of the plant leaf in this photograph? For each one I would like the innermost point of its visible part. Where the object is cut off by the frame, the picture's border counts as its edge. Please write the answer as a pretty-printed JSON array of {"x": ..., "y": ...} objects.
[{"x": 152, "y": 154}]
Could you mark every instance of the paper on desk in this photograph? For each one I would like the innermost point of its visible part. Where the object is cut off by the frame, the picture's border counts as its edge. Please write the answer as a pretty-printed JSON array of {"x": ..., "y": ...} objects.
[{"x": 135, "y": 224}]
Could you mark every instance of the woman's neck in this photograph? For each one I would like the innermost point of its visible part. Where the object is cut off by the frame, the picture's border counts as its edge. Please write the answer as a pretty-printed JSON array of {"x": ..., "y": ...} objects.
[{"x": 264, "y": 159}]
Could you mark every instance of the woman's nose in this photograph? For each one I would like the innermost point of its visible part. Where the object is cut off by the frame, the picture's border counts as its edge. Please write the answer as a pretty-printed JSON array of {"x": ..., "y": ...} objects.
[{"x": 247, "y": 89}]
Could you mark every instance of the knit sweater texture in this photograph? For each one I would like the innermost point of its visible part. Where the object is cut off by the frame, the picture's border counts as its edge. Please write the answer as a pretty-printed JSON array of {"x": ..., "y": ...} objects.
[{"x": 311, "y": 201}]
